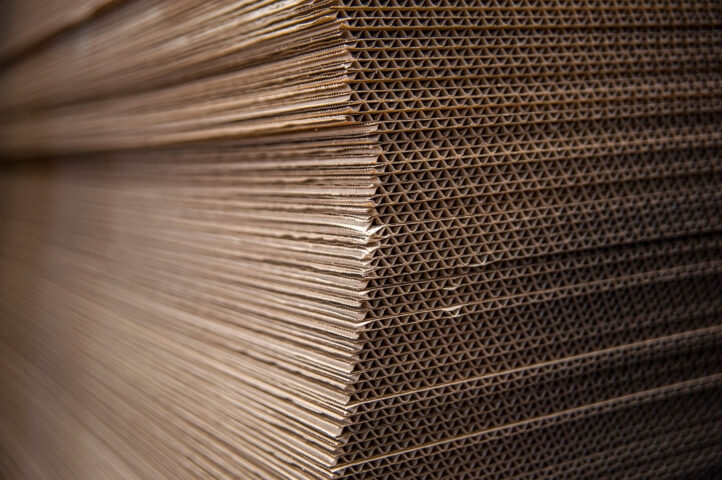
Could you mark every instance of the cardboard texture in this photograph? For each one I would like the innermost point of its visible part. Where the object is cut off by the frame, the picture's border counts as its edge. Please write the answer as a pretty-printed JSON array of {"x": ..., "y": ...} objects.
[{"x": 361, "y": 240}]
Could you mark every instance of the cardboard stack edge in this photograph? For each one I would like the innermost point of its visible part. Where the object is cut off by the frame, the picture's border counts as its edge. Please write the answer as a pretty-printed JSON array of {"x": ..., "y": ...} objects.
[{"x": 361, "y": 240}]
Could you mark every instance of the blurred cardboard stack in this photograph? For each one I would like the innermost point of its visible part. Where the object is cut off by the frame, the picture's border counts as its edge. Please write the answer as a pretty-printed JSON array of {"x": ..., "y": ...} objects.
[{"x": 362, "y": 240}]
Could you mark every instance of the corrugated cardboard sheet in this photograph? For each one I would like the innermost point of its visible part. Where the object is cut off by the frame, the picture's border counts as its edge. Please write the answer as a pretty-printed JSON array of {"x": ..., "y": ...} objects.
[{"x": 361, "y": 239}]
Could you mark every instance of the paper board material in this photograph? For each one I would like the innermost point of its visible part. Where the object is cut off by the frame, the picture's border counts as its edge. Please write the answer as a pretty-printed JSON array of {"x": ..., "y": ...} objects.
[{"x": 361, "y": 240}]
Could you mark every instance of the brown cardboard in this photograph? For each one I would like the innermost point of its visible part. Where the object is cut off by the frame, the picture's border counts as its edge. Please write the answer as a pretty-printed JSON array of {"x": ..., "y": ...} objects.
[{"x": 361, "y": 240}]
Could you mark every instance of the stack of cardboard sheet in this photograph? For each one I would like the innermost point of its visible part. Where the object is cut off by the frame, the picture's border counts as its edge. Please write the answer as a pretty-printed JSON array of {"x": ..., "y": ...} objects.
[{"x": 361, "y": 240}]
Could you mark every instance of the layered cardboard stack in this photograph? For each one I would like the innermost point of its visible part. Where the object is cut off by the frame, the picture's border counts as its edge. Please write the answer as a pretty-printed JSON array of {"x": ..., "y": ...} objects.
[{"x": 363, "y": 240}]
